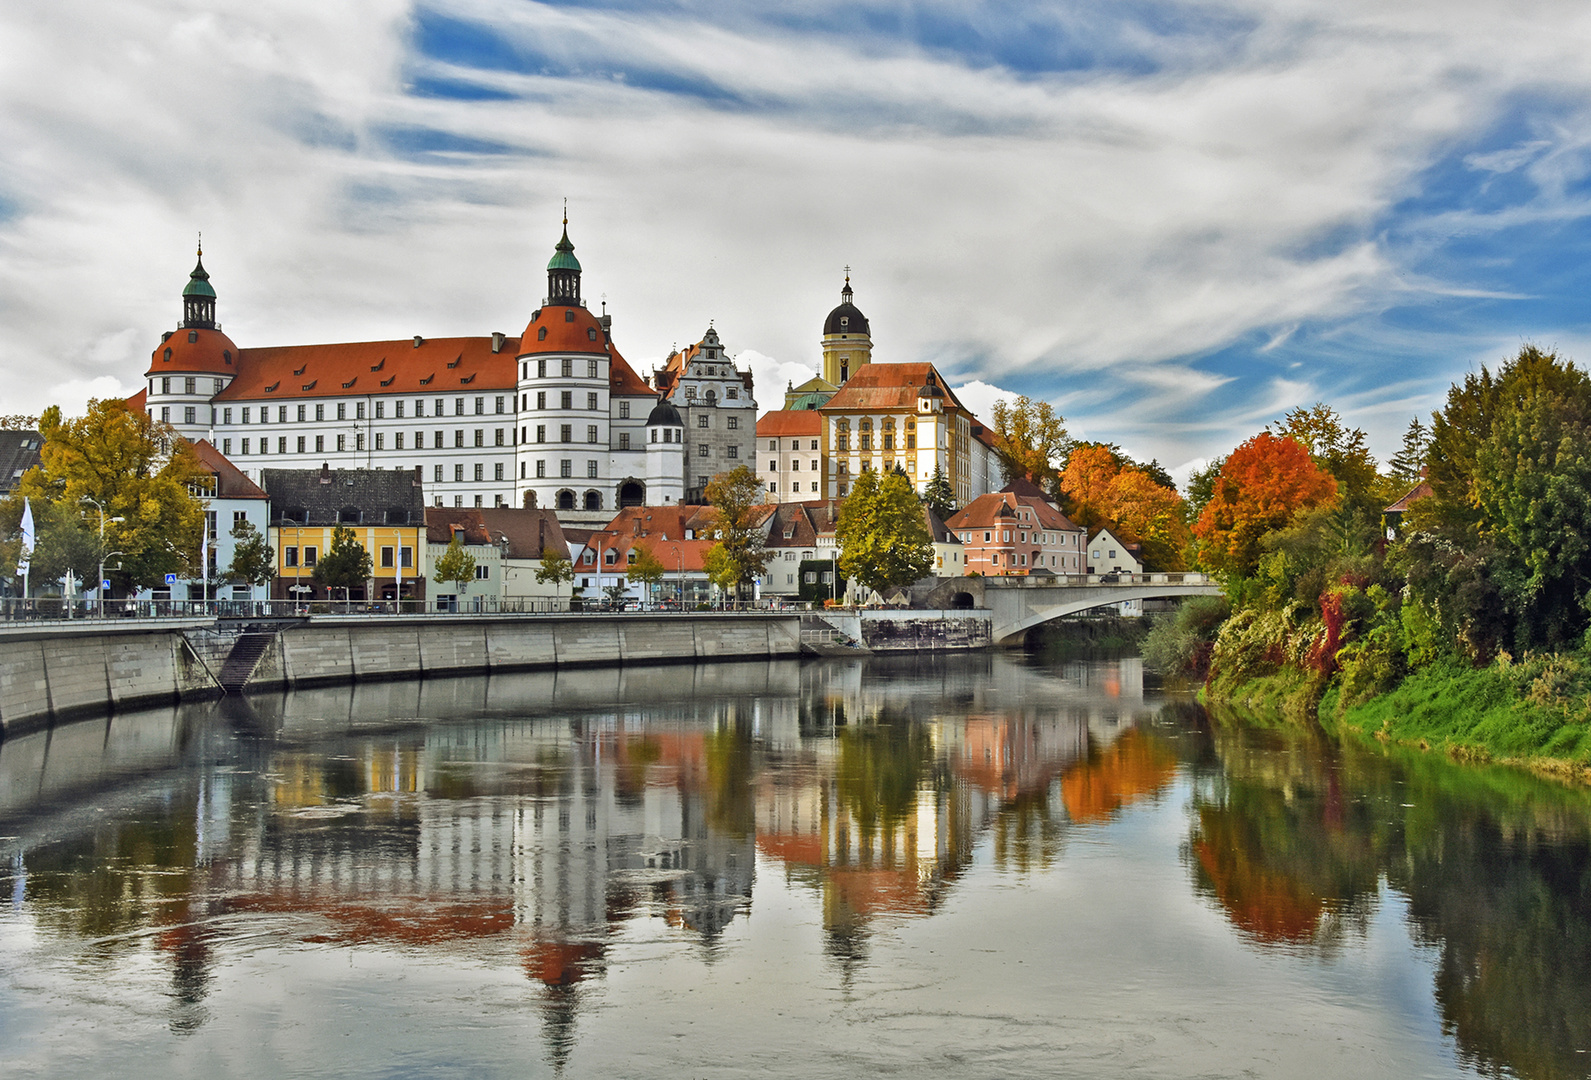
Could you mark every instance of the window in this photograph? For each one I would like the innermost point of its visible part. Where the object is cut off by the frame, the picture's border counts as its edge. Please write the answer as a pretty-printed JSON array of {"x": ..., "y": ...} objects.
[
  {"x": 397, "y": 440},
  {"x": 480, "y": 436},
  {"x": 281, "y": 414},
  {"x": 734, "y": 451},
  {"x": 290, "y": 556},
  {"x": 419, "y": 407},
  {"x": 190, "y": 385},
  {"x": 458, "y": 474},
  {"x": 814, "y": 464},
  {"x": 497, "y": 437},
  {"x": 541, "y": 365},
  {"x": 499, "y": 403},
  {"x": 359, "y": 410},
  {"x": 773, "y": 487},
  {"x": 189, "y": 414},
  {"x": 226, "y": 447},
  {"x": 624, "y": 440},
  {"x": 773, "y": 466},
  {"x": 541, "y": 432},
  {"x": 165, "y": 384},
  {"x": 734, "y": 423},
  {"x": 566, "y": 467},
  {"x": 342, "y": 443},
  {"x": 591, "y": 401},
  {"x": 439, "y": 410},
  {"x": 406, "y": 557},
  {"x": 482, "y": 570},
  {"x": 591, "y": 433},
  {"x": 359, "y": 441},
  {"x": 480, "y": 471},
  {"x": 591, "y": 365},
  {"x": 566, "y": 433},
  {"x": 497, "y": 471},
  {"x": 541, "y": 399},
  {"x": 795, "y": 466},
  {"x": 226, "y": 416},
  {"x": 381, "y": 410},
  {"x": 458, "y": 437},
  {"x": 381, "y": 440},
  {"x": 245, "y": 447},
  {"x": 301, "y": 444},
  {"x": 541, "y": 470},
  {"x": 701, "y": 421},
  {"x": 732, "y": 394},
  {"x": 397, "y": 409},
  {"x": 773, "y": 444},
  {"x": 342, "y": 410},
  {"x": 701, "y": 450},
  {"x": 567, "y": 368},
  {"x": 439, "y": 441},
  {"x": 458, "y": 406},
  {"x": 480, "y": 406},
  {"x": 246, "y": 414},
  {"x": 591, "y": 469},
  {"x": 566, "y": 399},
  {"x": 320, "y": 444},
  {"x": 437, "y": 474},
  {"x": 387, "y": 557},
  {"x": 624, "y": 410},
  {"x": 309, "y": 556},
  {"x": 814, "y": 444}
]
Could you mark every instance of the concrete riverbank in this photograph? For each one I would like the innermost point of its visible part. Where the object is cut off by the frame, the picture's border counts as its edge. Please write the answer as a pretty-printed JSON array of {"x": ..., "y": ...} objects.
[{"x": 63, "y": 670}]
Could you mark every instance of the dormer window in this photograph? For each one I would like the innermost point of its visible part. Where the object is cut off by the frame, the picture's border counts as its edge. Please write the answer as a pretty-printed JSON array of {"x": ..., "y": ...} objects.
[{"x": 541, "y": 335}]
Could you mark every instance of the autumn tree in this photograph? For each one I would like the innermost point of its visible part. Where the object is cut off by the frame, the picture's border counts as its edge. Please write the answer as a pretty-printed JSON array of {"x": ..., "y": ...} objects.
[
  {"x": 883, "y": 538},
  {"x": 1340, "y": 451},
  {"x": 1031, "y": 439},
  {"x": 742, "y": 544},
  {"x": 1262, "y": 485},
  {"x": 138, "y": 470},
  {"x": 1103, "y": 489},
  {"x": 555, "y": 569}
]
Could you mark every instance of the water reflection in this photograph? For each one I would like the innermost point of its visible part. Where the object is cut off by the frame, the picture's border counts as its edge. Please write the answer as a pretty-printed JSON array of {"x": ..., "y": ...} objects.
[
  {"x": 1293, "y": 836},
  {"x": 563, "y": 828}
]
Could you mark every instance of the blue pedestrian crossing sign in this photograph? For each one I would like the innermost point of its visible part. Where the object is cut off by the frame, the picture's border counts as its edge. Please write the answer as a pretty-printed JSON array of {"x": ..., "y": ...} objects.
[{"x": 171, "y": 579}]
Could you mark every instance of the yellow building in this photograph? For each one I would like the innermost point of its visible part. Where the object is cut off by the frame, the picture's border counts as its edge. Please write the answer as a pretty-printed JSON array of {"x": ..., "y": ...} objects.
[{"x": 384, "y": 510}]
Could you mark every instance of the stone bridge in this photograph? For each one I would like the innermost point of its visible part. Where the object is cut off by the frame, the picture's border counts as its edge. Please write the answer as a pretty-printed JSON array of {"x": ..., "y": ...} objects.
[{"x": 1017, "y": 604}]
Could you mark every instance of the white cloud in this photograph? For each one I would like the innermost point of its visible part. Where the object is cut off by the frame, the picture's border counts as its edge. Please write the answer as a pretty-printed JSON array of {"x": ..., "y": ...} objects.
[{"x": 1063, "y": 234}]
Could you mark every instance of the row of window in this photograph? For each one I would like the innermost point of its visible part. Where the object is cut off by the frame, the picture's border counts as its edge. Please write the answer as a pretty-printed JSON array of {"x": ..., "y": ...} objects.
[
  {"x": 190, "y": 385},
  {"x": 795, "y": 445},
  {"x": 323, "y": 411},
  {"x": 795, "y": 487},
  {"x": 795, "y": 465},
  {"x": 566, "y": 366},
  {"x": 1063, "y": 539},
  {"x": 864, "y": 441},
  {"x": 341, "y": 442},
  {"x": 291, "y": 553}
]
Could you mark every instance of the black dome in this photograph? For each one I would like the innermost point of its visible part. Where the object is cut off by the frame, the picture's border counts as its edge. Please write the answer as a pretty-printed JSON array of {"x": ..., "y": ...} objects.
[
  {"x": 855, "y": 322},
  {"x": 665, "y": 415}
]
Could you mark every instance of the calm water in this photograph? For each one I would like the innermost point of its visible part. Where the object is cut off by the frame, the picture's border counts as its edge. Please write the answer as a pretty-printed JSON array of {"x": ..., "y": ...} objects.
[{"x": 981, "y": 866}]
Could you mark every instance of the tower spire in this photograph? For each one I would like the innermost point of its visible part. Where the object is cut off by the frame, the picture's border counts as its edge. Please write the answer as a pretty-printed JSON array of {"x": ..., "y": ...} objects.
[
  {"x": 563, "y": 271},
  {"x": 198, "y": 297}
]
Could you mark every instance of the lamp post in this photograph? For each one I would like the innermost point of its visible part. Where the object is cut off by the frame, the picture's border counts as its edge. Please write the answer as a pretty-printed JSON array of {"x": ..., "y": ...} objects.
[
  {"x": 679, "y": 556},
  {"x": 100, "y": 585}
]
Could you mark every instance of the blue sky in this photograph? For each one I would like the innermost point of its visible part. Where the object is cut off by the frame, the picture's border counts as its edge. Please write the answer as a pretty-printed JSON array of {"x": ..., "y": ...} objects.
[{"x": 1173, "y": 220}]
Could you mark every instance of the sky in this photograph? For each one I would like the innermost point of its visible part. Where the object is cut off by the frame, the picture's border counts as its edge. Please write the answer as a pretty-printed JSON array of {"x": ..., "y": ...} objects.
[{"x": 1174, "y": 221}]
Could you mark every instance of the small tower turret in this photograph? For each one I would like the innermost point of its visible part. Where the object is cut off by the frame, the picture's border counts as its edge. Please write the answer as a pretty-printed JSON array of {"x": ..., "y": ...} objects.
[{"x": 198, "y": 298}]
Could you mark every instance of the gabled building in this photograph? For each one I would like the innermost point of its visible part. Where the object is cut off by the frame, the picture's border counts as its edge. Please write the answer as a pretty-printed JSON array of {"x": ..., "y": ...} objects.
[
  {"x": 714, "y": 399},
  {"x": 789, "y": 455},
  {"x": 443, "y": 524},
  {"x": 229, "y": 497},
  {"x": 384, "y": 508},
  {"x": 679, "y": 536},
  {"x": 523, "y": 535},
  {"x": 1109, "y": 555},
  {"x": 1015, "y": 531},
  {"x": 19, "y": 452}
]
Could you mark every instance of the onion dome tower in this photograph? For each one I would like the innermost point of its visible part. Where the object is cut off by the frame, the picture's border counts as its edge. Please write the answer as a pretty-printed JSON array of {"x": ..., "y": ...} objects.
[
  {"x": 847, "y": 339},
  {"x": 563, "y": 271},
  {"x": 193, "y": 363}
]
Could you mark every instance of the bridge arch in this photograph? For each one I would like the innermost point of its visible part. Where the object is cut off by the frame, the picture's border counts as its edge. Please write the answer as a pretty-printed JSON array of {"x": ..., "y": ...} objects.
[{"x": 1016, "y": 610}]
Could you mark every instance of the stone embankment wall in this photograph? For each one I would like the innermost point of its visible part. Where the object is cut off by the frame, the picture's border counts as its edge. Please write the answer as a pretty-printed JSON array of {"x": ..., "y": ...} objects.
[
  {"x": 362, "y": 650},
  {"x": 912, "y": 630},
  {"x": 60, "y": 672}
]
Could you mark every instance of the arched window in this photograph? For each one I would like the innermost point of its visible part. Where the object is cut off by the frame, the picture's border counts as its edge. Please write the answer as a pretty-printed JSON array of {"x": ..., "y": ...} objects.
[
  {"x": 593, "y": 500},
  {"x": 566, "y": 499},
  {"x": 632, "y": 493}
]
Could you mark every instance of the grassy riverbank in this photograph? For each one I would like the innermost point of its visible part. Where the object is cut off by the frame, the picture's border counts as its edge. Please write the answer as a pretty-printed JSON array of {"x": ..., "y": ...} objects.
[{"x": 1534, "y": 713}]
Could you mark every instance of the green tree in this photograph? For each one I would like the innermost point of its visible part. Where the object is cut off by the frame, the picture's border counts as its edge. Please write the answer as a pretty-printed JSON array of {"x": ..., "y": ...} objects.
[
  {"x": 455, "y": 565},
  {"x": 883, "y": 538},
  {"x": 1340, "y": 451},
  {"x": 647, "y": 569},
  {"x": 346, "y": 565},
  {"x": 938, "y": 496},
  {"x": 1031, "y": 440},
  {"x": 253, "y": 559},
  {"x": 138, "y": 470},
  {"x": 736, "y": 498},
  {"x": 555, "y": 568},
  {"x": 1406, "y": 464}
]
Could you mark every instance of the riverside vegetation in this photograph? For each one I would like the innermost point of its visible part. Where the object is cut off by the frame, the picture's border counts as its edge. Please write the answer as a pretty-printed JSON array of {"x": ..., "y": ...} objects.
[{"x": 1461, "y": 628}]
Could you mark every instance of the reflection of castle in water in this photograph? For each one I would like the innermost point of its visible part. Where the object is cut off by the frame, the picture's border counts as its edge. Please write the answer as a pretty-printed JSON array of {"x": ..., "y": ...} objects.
[{"x": 543, "y": 837}]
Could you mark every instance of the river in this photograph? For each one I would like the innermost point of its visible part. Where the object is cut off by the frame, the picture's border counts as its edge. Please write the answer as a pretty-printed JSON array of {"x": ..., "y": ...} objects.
[{"x": 973, "y": 866}]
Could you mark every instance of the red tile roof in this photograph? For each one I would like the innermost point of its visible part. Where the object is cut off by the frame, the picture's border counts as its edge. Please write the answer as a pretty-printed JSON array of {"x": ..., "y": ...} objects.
[
  {"x": 441, "y": 522},
  {"x": 529, "y": 532},
  {"x": 435, "y": 366},
  {"x": 230, "y": 483},
  {"x": 1420, "y": 491},
  {"x": 888, "y": 386},
  {"x": 1001, "y": 506},
  {"x": 622, "y": 379},
  {"x": 139, "y": 401},
  {"x": 790, "y": 422},
  {"x": 557, "y": 328},
  {"x": 211, "y": 352}
]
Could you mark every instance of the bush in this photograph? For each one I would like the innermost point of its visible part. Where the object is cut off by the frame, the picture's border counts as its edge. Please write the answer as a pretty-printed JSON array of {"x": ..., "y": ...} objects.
[{"x": 1179, "y": 645}]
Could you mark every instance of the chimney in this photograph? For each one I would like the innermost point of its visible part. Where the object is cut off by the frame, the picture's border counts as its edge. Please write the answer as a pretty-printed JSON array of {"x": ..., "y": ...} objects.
[
  {"x": 418, "y": 341},
  {"x": 497, "y": 341},
  {"x": 325, "y": 472}
]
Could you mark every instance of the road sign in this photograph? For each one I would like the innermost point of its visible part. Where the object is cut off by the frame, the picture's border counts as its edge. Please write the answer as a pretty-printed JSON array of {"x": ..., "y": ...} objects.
[
  {"x": 171, "y": 579},
  {"x": 105, "y": 584}
]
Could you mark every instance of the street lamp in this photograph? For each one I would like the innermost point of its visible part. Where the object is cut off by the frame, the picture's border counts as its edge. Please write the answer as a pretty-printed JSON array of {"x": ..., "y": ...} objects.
[
  {"x": 680, "y": 556},
  {"x": 100, "y": 585}
]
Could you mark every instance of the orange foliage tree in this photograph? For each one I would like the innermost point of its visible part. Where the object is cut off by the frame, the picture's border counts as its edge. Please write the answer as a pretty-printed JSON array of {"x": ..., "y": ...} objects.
[
  {"x": 1102, "y": 491},
  {"x": 1262, "y": 485}
]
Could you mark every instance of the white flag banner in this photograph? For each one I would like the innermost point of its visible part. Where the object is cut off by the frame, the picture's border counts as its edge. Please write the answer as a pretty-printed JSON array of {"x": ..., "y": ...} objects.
[{"x": 28, "y": 539}]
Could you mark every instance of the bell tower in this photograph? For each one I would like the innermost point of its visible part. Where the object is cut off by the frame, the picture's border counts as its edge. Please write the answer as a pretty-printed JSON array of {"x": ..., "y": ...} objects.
[{"x": 847, "y": 339}]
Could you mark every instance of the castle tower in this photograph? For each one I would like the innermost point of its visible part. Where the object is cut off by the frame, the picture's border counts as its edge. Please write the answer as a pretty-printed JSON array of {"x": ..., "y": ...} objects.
[
  {"x": 192, "y": 364},
  {"x": 665, "y": 455}
]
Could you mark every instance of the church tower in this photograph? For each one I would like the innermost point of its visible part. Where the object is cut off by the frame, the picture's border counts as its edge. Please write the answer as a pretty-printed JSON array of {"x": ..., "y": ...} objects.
[{"x": 847, "y": 340}]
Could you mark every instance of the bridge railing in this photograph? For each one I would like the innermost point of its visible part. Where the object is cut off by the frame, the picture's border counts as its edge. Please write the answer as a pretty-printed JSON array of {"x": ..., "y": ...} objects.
[{"x": 1044, "y": 581}]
